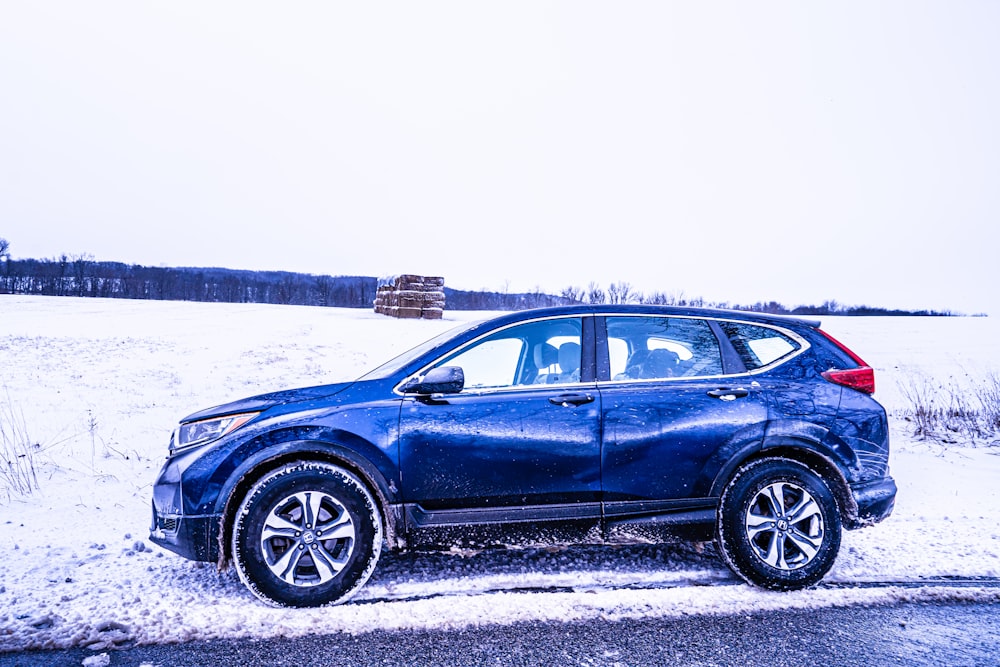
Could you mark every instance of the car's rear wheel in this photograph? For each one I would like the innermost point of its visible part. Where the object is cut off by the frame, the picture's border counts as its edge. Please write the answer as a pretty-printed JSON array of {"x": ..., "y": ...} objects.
[
  {"x": 778, "y": 525},
  {"x": 306, "y": 535}
]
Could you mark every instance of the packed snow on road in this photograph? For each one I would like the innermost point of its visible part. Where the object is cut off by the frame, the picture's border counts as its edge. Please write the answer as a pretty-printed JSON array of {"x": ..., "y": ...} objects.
[{"x": 96, "y": 386}]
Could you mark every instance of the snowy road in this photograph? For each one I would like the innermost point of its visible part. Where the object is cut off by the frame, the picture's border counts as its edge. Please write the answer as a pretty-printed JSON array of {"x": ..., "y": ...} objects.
[{"x": 909, "y": 634}]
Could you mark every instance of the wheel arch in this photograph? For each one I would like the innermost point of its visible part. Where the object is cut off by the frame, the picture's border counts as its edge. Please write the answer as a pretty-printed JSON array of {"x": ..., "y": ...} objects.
[
  {"x": 266, "y": 461},
  {"x": 806, "y": 453}
]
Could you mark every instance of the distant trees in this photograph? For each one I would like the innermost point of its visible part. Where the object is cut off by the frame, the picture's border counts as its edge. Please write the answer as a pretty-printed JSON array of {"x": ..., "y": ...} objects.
[
  {"x": 572, "y": 294},
  {"x": 4, "y": 254},
  {"x": 595, "y": 294},
  {"x": 81, "y": 275},
  {"x": 622, "y": 293},
  {"x": 486, "y": 300}
]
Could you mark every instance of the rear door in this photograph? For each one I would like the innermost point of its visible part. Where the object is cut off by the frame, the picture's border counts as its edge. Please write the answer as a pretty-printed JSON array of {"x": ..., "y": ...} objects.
[{"x": 673, "y": 414}]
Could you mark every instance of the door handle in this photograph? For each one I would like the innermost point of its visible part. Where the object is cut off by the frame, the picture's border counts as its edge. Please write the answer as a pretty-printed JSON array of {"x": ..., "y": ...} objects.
[
  {"x": 567, "y": 400},
  {"x": 727, "y": 394}
]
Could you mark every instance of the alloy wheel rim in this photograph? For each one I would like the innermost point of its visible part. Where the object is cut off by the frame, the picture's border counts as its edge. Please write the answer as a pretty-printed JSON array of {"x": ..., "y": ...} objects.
[
  {"x": 784, "y": 525},
  {"x": 308, "y": 538}
]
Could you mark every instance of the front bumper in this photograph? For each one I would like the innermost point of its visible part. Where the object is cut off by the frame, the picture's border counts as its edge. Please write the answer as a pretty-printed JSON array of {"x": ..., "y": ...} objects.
[
  {"x": 192, "y": 534},
  {"x": 194, "y": 537},
  {"x": 875, "y": 501}
]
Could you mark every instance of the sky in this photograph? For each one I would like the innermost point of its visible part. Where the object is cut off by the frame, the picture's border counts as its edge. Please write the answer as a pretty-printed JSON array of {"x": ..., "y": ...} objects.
[{"x": 738, "y": 152}]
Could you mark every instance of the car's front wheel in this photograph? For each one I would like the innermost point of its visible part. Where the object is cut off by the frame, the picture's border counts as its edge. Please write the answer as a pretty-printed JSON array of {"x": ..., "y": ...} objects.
[
  {"x": 307, "y": 534},
  {"x": 778, "y": 525}
]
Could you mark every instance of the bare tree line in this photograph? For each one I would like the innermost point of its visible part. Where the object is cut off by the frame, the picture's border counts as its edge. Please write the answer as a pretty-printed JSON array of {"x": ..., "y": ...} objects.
[
  {"x": 624, "y": 293},
  {"x": 81, "y": 275}
]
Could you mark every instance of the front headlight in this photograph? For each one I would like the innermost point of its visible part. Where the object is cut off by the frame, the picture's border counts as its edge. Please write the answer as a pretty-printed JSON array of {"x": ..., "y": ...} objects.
[{"x": 206, "y": 430}]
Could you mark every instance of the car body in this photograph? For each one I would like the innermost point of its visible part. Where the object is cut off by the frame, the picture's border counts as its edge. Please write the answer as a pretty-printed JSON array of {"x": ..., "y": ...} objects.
[{"x": 577, "y": 424}]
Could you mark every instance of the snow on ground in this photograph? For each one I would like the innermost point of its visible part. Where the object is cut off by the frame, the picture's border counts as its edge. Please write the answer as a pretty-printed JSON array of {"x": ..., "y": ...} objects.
[{"x": 99, "y": 384}]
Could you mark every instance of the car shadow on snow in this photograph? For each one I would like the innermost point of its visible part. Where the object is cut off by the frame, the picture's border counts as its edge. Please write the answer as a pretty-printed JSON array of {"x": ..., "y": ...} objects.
[
  {"x": 418, "y": 574},
  {"x": 413, "y": 575}
]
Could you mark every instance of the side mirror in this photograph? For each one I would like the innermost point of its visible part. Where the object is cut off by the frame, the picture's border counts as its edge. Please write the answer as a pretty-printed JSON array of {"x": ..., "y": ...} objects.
[{"x": 440, "y": 380}]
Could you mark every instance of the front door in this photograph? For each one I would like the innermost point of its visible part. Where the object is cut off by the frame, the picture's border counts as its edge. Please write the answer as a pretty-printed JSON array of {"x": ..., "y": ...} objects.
[{"x": 519, "y": 445}]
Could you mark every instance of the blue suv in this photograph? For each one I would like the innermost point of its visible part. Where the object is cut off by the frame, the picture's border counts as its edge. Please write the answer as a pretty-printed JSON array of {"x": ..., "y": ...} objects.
[{"x": 588, "y": 424}]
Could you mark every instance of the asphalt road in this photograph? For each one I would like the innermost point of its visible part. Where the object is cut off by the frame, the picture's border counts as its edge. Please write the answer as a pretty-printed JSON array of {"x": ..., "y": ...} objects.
[{"x": 907, "y": 634}]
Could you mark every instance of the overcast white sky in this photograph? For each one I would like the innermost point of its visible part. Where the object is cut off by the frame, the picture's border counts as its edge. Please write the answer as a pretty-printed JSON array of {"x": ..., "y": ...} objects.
[{"x": 740, "y": 152}]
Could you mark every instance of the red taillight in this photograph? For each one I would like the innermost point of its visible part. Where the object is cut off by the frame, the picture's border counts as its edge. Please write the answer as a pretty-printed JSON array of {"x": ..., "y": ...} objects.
[{"x": 861, "y": 378}]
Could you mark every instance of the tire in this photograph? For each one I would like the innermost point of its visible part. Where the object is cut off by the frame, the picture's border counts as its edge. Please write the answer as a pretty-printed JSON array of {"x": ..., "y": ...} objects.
[
  {"x": 778, "y": 525},
  {"x": 280, "y": 551}
]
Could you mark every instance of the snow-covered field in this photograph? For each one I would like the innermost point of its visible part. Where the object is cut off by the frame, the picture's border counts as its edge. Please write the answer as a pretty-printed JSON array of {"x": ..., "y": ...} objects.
[{"x": 98, "y": 385}]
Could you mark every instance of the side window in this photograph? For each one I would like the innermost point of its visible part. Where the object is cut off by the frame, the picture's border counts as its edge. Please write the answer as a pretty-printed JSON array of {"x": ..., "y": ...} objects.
[
  {"x": 654, "y": 348},
  {"x": 545, "y": 352},
  {"x": 758, "y": 346},
  {"x": 492, "y": 363}
]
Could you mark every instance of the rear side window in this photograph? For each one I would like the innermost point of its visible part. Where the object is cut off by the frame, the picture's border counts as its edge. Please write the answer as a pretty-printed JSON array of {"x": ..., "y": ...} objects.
[
  {"x": 656, "y": 348},
  {"x": 758, "y": 346}
]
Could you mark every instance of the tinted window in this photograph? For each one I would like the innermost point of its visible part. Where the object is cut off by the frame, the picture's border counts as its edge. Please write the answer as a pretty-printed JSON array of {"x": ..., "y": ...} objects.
[
  {"x": 546, "y": 352},
  {"x": 758, "y": 346},
  {"x": 650, "y": 348}
]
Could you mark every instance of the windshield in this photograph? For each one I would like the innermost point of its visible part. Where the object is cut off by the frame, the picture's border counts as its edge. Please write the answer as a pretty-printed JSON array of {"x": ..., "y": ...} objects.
[{"x": 393, "y": 365}]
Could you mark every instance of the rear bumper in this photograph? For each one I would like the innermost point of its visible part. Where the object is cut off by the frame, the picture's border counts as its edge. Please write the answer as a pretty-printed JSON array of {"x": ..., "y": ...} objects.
[{"x": 875, "y": 501}]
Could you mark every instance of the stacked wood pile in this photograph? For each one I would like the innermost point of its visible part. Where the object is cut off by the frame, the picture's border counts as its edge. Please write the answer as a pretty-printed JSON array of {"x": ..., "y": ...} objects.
[{"x": 410, "y": 296}]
